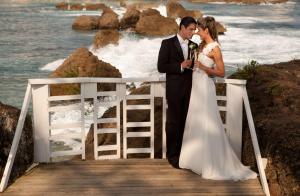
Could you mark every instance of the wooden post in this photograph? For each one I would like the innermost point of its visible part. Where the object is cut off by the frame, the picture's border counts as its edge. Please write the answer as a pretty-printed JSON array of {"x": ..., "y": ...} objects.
[
  {"x": 15, "y": 143},
  {"x": 41, "y": 122},
  {"x": 234, "y": 116},
  {"x": 259, "y": 161}
]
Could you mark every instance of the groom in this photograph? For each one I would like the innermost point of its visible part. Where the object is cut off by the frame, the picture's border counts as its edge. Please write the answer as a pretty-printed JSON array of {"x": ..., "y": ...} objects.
[{"x": 174, "y": 60}]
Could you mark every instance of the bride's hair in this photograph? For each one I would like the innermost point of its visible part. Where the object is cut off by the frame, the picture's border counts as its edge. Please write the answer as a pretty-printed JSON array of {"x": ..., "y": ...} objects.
[{"x": 210, "y": 24}]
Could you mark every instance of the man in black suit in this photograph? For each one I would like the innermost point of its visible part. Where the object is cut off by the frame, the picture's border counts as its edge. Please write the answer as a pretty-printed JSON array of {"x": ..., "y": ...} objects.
[{"x": 174, "y": 60}]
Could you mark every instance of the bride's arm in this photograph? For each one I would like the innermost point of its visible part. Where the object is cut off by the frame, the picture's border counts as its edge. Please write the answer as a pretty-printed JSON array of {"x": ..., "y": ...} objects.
[{"x": 219, "y": 69}]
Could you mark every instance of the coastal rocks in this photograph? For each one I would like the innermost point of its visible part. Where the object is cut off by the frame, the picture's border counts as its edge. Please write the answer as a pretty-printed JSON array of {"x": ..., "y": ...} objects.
[
  {"x": 105, "y": 37},
  {"x": 108, "y": 19},
  {"x": 156, "y": 25},
  {"x": 82, "y": 63},
  {"x": 130, "y": 18},
  {"x": 150, "y": 12},
  {"x": 239, "y": 1},
  {"x": 77, "y": 6},
  {"x": 220, "y": 28},
  {"x": 85, "y": 23},
  {"x": 175, "y": 10},
  {"x": 274, "y": 93},
  {"x": 8, "y": 121}
]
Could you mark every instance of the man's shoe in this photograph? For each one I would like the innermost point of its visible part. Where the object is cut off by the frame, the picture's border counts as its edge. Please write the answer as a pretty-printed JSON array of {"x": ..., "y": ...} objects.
[{"x": 174, "y": 162}]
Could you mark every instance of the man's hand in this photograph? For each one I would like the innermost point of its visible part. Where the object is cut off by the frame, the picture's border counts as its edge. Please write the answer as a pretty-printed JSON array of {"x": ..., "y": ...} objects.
[{"x": 186, "y": 64}]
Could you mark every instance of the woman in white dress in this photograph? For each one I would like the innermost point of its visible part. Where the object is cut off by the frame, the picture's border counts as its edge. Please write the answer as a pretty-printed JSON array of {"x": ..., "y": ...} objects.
[{"x": 205, "y": 146}]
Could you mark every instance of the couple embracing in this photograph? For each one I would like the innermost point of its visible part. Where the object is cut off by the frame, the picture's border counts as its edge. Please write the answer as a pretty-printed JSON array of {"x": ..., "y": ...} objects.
[{"x": 196, "y": 139}]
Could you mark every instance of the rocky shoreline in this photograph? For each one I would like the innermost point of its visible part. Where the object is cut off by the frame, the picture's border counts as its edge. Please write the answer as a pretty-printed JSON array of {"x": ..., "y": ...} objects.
[{"x": 239, "y": 1}]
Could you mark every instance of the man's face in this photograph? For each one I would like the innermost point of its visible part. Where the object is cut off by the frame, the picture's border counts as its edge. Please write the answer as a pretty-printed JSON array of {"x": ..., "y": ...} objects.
[{"x": 188, "y": 31}]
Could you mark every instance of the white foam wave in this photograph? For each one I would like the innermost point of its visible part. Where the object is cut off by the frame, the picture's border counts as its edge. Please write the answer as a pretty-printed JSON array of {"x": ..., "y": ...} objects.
[{"x": 53, "y": 65}]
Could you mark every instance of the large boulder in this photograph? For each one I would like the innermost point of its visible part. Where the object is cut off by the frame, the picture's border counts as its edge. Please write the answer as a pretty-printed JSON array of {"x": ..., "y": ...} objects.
[
  {"x": 220, "y": 28},
  {"x": 156, "y": 25},
  {"x": 82, "y": 63},
  {"x": 95, "y": 6},
  {"x": 176, "y": 10},
  {"x": 108, "y": 19},
  {"x": 130, "y": 18},
  {"x": 85, "y": 23},
  {"x": 149, "y": 12},
  {"x": 274, "y": 93},
  {"x": 9, "y": 116},
  {"x": 105, "y": 37}
]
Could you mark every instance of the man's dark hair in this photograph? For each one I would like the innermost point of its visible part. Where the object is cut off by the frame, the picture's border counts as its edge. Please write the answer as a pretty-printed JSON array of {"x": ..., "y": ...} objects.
[{"x": 186, "y": 21}]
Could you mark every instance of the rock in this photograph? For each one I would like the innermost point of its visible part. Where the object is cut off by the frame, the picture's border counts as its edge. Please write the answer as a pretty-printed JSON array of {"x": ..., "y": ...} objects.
[
  {"x": 76, "y": 6},
  {"x": 143, "y": 5},
  {"x": 130, "y": 18},
  {"x": 220, "y": 28},
  {"x": 132, "y": 116},
  {"x": 240, "y": 1},
  {"x": 9, "y": 116},
  {"x": 174, "y": 9},
  {"x": 108, "y": 20},
  {"x": 150, "y": 12},
  {"x": 105, "y": 37},
  {"x": 192, "y": 13},
  {"x": 156, "y": 25},
  {"x": 62, "y": 6},
  {"x": 82, "y": 63},
  {"x": 274, "y": 93},
  {"x": 85, "y": 23},
  {"x": 96, "y": 6}
]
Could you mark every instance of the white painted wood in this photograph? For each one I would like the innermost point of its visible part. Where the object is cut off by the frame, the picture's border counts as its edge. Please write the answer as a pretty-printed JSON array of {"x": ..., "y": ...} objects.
[
  {"x": 124, "y": 128},
  {"x": 137, "y": 97},
  {"x": 107, "y": 147},
  {"x": 164, "y": 115},
  {"x": 258, "y": 157},
  {"x": 152, "y": 121},
  {"x": 83, "y": 137},
  {"x": 108, "y": 120},
  {"x": 65, "y": 153},
  {"x": 139, "y": 124},
  {"x": 106, "y": 130},
  {"x": 222, "y": 98},
  {"x": 121, "y": 91},
  {"x": 66, "y": 126},
  {"x": 66, "y": 136},
  {"x": 108, "y": 104},
  {"x": 138, "y": 107},
  {"x": 138, "y": 150},
  {"x": 222, "y": 108},
  {"x": 64, "y": 108},
  {"x": 106, "y": 93},
  {"x": 15, "y": 143},
  {"x": 234, "y": 117},
  {"x": 41, "y": 120},
  {"x": 64, "y": 98},
  {"x": 107, "y": 157},
  {"x": 138, "y": 134}
]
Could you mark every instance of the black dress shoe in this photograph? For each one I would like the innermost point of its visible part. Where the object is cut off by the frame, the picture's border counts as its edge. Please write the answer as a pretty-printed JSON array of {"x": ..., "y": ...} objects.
[{"x": 174, "y": 161}]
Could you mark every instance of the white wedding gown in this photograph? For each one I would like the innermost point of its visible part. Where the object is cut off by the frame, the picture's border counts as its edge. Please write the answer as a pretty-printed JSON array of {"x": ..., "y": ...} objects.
[{"x": 205, "y": 146}]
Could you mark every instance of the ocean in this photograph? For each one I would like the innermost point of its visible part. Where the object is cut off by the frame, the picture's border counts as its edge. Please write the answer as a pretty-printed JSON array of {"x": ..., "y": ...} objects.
[{"x": 35, "y": 38}]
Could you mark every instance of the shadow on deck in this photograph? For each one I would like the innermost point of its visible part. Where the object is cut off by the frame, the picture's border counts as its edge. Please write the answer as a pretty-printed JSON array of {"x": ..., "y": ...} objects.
[{"x": 123, "y": 177}]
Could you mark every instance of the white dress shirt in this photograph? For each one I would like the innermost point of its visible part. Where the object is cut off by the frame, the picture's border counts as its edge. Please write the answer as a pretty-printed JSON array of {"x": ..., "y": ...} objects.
[{"x": 184, "y": 47}]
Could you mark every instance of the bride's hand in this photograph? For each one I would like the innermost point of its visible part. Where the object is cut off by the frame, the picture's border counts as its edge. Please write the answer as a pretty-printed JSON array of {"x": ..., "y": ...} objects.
[{"x": 199, "y": 65}]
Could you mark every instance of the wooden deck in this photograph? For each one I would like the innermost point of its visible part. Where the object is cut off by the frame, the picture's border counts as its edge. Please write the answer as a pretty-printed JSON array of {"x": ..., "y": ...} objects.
[{"x": 123, "y": 177}]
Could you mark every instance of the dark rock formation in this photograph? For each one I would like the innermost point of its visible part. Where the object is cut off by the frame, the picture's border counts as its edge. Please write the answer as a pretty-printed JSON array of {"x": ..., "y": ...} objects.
[
  {"x": 130, "y": 18},
  {"x": 85, "y": 22},
  {"x": 9, "y": 117},
  {"x": 108, "y": 19},
  {"x": 105, "y": 37}
]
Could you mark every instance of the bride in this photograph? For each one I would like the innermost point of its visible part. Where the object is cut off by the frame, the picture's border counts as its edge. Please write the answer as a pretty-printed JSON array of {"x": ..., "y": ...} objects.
[{"x": 205, "y": 146}]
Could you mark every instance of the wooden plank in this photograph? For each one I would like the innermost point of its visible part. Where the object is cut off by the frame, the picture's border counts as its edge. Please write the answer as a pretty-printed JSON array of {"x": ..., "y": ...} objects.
[
  {"x": 139, "y": 134},
  {"x": 139, "y": 124},
  {"x": 64, "y": 98},
  {"x": 137, "y": 97},
  {"x": 138, "y": 107}
]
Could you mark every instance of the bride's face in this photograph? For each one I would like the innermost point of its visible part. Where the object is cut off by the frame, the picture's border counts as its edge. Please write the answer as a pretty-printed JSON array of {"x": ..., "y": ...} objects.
[{"x": 201, "y": 32}]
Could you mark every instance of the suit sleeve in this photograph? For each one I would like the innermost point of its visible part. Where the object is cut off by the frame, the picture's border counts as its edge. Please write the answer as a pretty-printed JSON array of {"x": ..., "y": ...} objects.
[{"x": 163, "y": 64}]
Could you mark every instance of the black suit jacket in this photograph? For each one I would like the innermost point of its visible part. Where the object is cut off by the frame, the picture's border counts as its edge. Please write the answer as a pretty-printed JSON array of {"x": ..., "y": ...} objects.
[{"x": 169, "y": 59}]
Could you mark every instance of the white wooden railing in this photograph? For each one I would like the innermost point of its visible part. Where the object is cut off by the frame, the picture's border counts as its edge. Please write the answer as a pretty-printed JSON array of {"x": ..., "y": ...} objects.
[{"x": 39, "y": 89}]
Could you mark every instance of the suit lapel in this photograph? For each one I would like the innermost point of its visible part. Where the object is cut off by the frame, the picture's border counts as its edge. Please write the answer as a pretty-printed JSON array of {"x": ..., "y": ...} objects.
[{"x": 177, "y": 45}]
